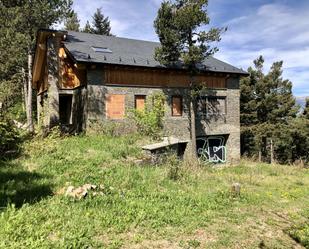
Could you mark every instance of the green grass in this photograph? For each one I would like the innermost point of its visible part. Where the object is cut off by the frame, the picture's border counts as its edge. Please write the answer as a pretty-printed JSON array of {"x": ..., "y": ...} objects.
[
  {"x": 300, "y": 231},
  {"x": 141, "y": 206}
]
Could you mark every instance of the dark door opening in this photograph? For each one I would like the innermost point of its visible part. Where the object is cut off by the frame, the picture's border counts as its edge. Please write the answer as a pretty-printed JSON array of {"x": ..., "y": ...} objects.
[
  {"x": 65, "y": 109},
  {"x": 212, "y": 148}
]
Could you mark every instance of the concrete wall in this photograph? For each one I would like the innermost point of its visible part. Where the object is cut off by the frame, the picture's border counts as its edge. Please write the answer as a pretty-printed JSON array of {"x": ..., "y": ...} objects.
[{"x": 177, "y": 126}]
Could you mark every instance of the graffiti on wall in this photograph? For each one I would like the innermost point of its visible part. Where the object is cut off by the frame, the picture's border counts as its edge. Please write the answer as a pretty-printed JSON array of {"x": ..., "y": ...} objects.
[{"x": 212, "y": 149}]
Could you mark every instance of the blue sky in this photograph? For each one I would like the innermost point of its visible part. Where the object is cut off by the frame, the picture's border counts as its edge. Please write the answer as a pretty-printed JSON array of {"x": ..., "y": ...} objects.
[{"x": 278, "y": 30}]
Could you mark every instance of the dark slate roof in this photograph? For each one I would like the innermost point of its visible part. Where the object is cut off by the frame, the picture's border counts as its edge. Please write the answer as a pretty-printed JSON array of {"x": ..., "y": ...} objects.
[{"x": 127, "y": 52}]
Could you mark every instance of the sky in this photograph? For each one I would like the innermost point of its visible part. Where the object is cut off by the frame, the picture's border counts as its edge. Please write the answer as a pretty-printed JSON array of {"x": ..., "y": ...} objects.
[{"x": 276, "y": 29}]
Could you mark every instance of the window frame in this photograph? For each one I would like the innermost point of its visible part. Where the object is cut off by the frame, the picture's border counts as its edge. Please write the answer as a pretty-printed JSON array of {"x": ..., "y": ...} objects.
[
  {"x": 97, "y": 49},
  {"x": 181, "y": 105},
  {"x": 206, "y": 113},
  {"x": 135, "y": 98}
]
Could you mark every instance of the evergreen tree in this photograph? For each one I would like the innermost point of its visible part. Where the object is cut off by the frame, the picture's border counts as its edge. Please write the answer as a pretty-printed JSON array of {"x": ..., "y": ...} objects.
[
  {"x": 248, "y": 97},
  {"x": 248, "y": 106},
  {"x": 72, "y": 22},
  {"x": 20, "y": 21},
  {"x": 101, "y": 24},
  {"x": 180, "y": 25},
  {"x": 276, "y": 102},
  {"x": 306, "y": 110},
  {"x": 13, "y": 47},
  {"x": 267, "y": 105},
  {"x": 87, "y": 28}
]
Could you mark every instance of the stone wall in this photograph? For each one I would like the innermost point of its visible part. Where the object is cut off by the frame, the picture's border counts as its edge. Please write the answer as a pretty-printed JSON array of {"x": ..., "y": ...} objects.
[
  {"x": 228, "y": 124},
  {"x": 48, "y": 102}
]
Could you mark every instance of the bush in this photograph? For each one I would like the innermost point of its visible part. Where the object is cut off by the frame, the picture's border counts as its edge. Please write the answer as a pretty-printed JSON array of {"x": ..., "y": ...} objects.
[
  {"x": 290, "y": 141},
  {"x": 150, "y": 120},
  {"x": 9, "y": 137},
  {"x": 175, "y": 171}
]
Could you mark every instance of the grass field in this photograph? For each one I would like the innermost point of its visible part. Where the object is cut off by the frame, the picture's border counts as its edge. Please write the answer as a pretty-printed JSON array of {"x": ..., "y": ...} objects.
[{"x": 141, "y": 207}]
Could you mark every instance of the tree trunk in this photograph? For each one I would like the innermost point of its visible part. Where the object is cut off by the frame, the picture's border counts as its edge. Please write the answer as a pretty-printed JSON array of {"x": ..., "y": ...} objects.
[
  {"x": 25, "y": 90},
  {"x": 260, "y": 155},
  {"x": 272, "y": 160},
  {"x": 193, "y": 129},
  {"x": 29, "y": 99},
  {"x": 192, "y": 120}
]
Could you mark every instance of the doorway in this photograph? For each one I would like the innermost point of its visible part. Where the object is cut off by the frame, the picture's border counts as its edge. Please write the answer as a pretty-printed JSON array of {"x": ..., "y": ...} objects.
[
  {"x": 212, "y": 148},
  {"x": 65, "y": 109}
]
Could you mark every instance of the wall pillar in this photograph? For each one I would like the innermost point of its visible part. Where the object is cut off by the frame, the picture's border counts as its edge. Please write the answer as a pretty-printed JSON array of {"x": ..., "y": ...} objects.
[
  {"x": 233, "y": 119},
  {"x": 53, "y": 80}
]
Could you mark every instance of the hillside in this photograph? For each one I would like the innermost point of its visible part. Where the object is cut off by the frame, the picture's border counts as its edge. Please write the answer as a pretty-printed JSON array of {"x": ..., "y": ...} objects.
[{"x": 140, "y": 206}]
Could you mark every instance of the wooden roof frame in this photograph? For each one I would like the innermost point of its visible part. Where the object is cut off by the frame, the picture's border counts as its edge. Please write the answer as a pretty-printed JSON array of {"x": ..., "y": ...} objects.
[{"x": 40, "y": 52}]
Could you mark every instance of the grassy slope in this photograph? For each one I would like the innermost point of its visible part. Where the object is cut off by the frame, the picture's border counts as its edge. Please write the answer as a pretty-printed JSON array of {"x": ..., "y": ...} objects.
[{"x": 142, "y": 207}]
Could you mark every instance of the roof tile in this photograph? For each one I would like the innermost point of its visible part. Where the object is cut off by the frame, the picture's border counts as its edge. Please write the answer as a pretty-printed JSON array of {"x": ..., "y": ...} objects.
[{"x": 128, "y": 52}]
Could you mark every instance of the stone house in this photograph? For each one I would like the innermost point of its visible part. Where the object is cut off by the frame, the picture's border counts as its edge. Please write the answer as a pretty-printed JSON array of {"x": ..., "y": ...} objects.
[{"x": 82, "y": 78}]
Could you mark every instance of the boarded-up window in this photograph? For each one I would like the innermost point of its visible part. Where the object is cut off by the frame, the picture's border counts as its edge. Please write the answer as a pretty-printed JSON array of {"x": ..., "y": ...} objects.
[
  {"x": 176, "y": 106},
  {"x": 115, "y": 106},
  {"x": 140, "y": 102}
]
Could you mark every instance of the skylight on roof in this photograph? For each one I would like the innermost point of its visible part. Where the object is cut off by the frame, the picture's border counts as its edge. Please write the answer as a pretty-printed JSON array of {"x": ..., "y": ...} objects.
[{"x": 101, "y": 50}]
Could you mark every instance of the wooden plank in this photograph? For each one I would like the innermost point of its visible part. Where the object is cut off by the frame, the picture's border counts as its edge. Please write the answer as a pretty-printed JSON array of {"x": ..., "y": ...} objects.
[
  {"x": 115, "y": 106},
  {"x": 158, "y": 78},
  {"x": 140, "y": 102},
  {"x": 176, "y": 106},
  {"x": 71, "y": 76}
]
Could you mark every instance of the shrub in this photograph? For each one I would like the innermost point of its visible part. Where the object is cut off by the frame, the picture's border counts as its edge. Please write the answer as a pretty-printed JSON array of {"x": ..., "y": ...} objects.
[
  {"x": 290, "y": 141},
  {"x": 150, "y": 120},
  {"x": 175, "y": 171},
  {"x": 9, "y": 136}
]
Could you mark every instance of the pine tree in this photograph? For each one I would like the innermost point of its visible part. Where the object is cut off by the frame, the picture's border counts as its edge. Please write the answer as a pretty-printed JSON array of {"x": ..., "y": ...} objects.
[
  {"x": 72, "y": 22},
  {"x": 21, "y": 21},
  {"x": 248, "y": 106},
  {"x": 101, "y": 24},
  {"x": 276, "y": 102},
  {"x": 13, "y": 49},
  {"x": 87, "y": 28},
  {"x": 306, "y": 110},
  {"x": 180, "y": 26},
  {"x": 267, "y": 105},
  {"x": 248, "y": 101}
]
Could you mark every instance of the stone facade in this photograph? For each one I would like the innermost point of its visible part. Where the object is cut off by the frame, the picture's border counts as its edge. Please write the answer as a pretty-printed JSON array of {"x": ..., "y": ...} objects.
[
  {"x": 227, "y": 125},
  {"x": 87, "y": 102},
  {"x": 48, "y": 102}
]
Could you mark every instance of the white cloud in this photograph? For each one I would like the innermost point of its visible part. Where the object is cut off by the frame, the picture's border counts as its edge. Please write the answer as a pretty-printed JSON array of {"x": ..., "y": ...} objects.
[
  {"x": 119, "y": 26},
  {"x": 277, "y": 32},
  {"x": 132, "y": 19},
  {"x": 157, "y": 2}
]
